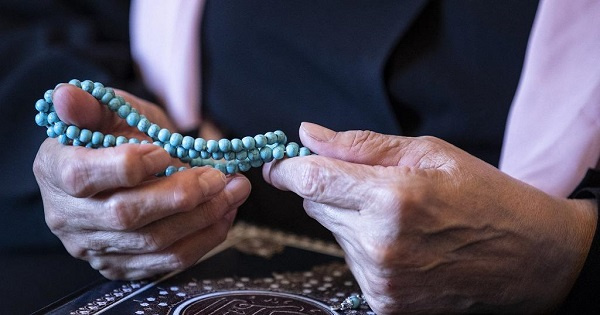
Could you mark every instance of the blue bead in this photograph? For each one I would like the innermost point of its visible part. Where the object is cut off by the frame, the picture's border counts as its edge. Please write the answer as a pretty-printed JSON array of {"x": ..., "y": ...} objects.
[
  {"x": 253, "y": 154},
  {"x": 50, "y": 132},
  {"x": 170, "y": 149},
  {"x": 42, "y": 106},
  {"x": 181, "y": 169},
  {"x": 133, "y": 140},
  {"x": 98, "y": 92},
  {"x": 109, "y": 141},
  {"x": 107, "y": 97},
  {"x": 124, "y": 110},
  {"x": 89, "y": 145},
  {"x": 41, "y": 119},
  {"x": 260, "y": 140},
  {"x": 48, "y": 96},
  {"x": 63, "y": 139},
  {"x": 199, "y": 144},
  {"x": 249, "y": 143},
  {"x": 87, "y": 86},
  {"x": 145, "y": 142},
  {"x": 304, "y": 151},
  {"x": 121, "y": 140},
  {"x": 266, "y": 154},
  {"x": 187, "y": 142},
  {"x": 158, "y": 143},
  {"x": 164, "y": 135},
  {"x": 281, "y": 137},
  {"x": 212, "y": 146},
  {"x": 144, "y": 124},
  {"x": 232, "y": 167},
  {"x": 224, "y": 145},
  {"x": 204, "y": 154},
  {"x": 237, "y": 145},
  {"x": 75, "y": 82},
  {"x": 170, "y": 170},
  {"x": 98, "y": 84},
  {"x": 256, "y": 163},
  {"x": 221, "y": 167},
  {"x": 53, "y": 118},
  {"x": 114, "y": 104},
  {"x": 271, "y": 137},
  {"x": 217, "y": 155},
  {"x": 153, "y": 131},
  {"x": 242, "y": 155},
  {"x": 193, "y": 154},
  {"x": 291, "y": 150},
  {"x": 77, "y": 143},
  {"x": 85, "y": 136},
  {"x": 60, "y": 128},
  {"x": 244, "y": 166},
  {"x": 354, "y": 301},
  {"x": 278, "y": 152},
  {"x": 133, "y": 119},
  {"x": 175, "y": 139},
  {"x": 229, "y": 155},
  {"x": 207, "y": 162},
  {"x": 97, "y": 138},
  {"x": 182, "y": 153}
]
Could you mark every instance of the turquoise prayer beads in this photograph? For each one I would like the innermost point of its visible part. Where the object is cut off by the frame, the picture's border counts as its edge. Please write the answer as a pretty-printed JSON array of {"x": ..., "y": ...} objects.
[{"x": 228, "y": 156}]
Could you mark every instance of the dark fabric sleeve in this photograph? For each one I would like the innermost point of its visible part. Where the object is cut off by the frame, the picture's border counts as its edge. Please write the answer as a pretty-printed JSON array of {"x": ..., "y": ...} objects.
[{"x": 583, "y": 298}]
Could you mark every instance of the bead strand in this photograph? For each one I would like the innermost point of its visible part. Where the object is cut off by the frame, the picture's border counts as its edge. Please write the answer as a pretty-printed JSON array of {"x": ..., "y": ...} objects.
[{"x": 228, "y": 156}]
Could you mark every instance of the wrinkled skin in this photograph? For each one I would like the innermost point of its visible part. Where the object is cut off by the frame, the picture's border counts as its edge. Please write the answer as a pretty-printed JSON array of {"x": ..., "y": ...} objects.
[
  {"x": 108, "y": 208},
  {"x": 428, "y": 228}
]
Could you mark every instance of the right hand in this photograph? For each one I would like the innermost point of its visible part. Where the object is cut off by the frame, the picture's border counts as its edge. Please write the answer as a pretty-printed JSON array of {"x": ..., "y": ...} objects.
[{"x": 107, "y": 207}]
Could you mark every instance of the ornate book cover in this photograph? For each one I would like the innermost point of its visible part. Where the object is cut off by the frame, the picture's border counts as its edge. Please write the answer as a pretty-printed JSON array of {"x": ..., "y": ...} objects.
[{"x": 256, "y": 271}]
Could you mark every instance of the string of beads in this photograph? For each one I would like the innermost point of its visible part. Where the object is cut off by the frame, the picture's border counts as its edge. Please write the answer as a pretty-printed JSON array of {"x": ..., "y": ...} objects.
[{"x": 228, "y": 156}]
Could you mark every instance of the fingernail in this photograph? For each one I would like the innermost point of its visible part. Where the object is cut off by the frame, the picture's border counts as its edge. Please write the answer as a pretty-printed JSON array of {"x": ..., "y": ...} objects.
[
  {"x": 212, "y": 182},
  {"x": 317, "y": 132}
]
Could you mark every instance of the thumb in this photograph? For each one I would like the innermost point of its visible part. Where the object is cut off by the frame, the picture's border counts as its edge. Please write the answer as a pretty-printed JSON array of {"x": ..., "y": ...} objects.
[
  {"x": 74, "y": 106},
  {"x": 357, "y": 146}
]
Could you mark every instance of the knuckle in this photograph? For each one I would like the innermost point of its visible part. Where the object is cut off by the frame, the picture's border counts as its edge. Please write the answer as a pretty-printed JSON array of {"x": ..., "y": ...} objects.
[
  {"x": 121, "y": 216},
  {"x": 76, "y": 250},
  {"x": 75, "y": 178},
  {"x": 127, "y": 169},
  {"x": 179, "y": 260},
  {"x": 312, "y": 181},
  {"x": 182, "y": 197},
  {"x": 150, "y": 242},
  {"x": 55, "y": 220}
]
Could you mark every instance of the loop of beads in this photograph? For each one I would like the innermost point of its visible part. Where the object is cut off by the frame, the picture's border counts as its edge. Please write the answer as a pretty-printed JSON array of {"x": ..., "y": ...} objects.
[{"x": 228, "y": 156}]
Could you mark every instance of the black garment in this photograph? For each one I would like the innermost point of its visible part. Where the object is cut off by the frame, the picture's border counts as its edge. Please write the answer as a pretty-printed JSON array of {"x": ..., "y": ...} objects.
[
  {"x": 442, "y": 68},
  {"x": 583, "y": 298}
]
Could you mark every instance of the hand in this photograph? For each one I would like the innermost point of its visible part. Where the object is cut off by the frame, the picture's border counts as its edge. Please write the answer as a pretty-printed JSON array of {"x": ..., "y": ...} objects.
[
  {"x": 429, "y": 228},
  {"x": 107, "y": 207}
]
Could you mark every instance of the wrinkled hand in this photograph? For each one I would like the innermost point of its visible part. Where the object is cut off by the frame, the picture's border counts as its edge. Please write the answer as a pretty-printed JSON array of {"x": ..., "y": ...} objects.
[
  {"x": 107, "y": 207},
  {"x": 428, "y": 228}
]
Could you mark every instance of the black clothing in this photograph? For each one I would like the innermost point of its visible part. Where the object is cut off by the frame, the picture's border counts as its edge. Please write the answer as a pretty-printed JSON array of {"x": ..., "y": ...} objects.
[{"x": 442, "y": 68}]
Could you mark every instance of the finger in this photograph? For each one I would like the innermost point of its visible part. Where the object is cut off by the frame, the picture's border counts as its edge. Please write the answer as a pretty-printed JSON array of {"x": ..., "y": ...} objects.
[
  {"x": 180, "y": 255},
  {"x": 329, "y": 181},
  {"x": 160, "y": 234},
  {"x": 74, "y": 106},
  {"x": 130, "y": 209},
  {"x": 77, "y": 107},
  {"x": 82, "y": 172},
  {"x": 371, "y": 148}
]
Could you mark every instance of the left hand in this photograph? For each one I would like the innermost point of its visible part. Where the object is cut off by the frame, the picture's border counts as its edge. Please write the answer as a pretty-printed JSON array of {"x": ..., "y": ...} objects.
[{"x": 428, "y": 228}]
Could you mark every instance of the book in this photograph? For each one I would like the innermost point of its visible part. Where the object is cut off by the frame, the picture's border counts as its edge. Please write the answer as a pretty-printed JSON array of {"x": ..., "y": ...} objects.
[{"x": 256, "y": 271}]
